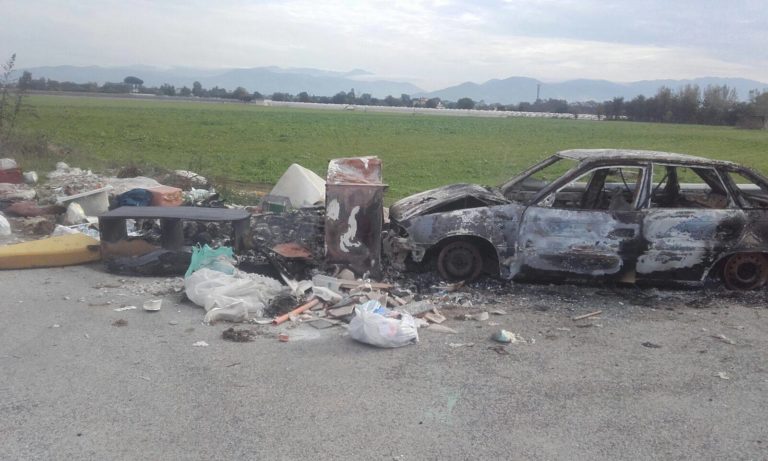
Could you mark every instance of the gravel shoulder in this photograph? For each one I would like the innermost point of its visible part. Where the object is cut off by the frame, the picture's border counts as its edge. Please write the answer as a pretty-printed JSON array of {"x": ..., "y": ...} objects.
[{"x": 660, "y": 374}]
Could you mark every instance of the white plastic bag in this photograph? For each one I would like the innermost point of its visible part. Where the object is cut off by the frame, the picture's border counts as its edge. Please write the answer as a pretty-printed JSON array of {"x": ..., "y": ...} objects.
[
  {"x": 234, "y": 298},
  {"x": 5, "y": 226},
  {"x": 372, "y": 325},
  {"x": 74, "y": 215}
]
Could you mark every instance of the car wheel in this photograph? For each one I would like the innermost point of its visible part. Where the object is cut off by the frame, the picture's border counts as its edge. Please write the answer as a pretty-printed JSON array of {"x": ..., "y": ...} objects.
[
  {"x": 460, "y": 261},
  {"x": 745, "y": 271}
]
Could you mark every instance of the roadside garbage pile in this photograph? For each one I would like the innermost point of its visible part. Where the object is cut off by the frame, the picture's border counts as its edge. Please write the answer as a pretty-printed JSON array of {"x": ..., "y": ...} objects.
[
  {"x": 53, "y": 220},
  {"x": 308, "y": 254}
]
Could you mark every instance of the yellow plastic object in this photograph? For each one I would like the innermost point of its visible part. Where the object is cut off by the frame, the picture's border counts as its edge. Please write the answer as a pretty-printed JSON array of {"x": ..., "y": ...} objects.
[{"x": 64, "y": 250}]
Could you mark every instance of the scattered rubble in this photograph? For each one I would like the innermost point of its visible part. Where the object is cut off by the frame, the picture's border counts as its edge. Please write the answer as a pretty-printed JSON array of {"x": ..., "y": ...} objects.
[
  {"x": 153, "y": 305},
  {"x": 238, "y": 336}
]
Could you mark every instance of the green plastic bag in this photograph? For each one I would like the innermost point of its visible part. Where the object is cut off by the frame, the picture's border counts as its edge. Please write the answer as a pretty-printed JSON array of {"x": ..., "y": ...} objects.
[{"x": 221, "y": 259}]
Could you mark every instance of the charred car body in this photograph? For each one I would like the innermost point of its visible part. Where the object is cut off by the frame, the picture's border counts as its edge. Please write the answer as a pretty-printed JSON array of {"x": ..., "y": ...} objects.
[{"x": 622, "y": 215}]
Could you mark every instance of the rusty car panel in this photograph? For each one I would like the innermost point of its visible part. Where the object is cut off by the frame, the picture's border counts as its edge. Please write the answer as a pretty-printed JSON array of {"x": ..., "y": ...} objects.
[{"x": 591, "y": 243}]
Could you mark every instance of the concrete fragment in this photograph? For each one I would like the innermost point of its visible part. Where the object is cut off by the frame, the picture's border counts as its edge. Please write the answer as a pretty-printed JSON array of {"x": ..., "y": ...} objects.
[
  {"x": 322, "y": 324},
  {"x": 441, "y": 329},
  {"x": 434, "y": 318},
  {"x": 480, "y": 317},
  {"x": 342, "y": 311},
  {"x": 417, "y": 308},
  {"x": 30, "y": 177}
]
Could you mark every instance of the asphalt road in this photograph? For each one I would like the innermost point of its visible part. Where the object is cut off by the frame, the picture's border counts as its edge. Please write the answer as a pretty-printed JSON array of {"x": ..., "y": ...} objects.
[{"x": 74, "y": 386}]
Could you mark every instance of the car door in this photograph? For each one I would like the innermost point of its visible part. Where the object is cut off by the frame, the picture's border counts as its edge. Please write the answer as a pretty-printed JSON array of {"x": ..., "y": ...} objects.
[
  {"x": 579, "y": 228},
  {"x": 691, "y": 222}
]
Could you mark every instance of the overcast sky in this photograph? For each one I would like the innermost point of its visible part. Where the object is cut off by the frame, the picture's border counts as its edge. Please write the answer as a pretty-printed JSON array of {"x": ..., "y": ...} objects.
[{"x": 432, "y": 43}]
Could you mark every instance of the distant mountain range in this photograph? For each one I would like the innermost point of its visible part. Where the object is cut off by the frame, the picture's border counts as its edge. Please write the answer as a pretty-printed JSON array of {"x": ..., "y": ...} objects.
[
  {"x": 268, "y": 80},
  {"x": 514, "y": 90}
]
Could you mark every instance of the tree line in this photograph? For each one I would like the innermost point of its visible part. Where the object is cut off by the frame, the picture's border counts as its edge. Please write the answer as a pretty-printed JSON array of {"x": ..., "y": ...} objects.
[{"x": 714, "y": 105}]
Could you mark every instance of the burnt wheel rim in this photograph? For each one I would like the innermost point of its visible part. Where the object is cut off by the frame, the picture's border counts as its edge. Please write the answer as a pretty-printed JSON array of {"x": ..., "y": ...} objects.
[
  {"x": 460, "y": 261},
  {"x": 746, "y": 271}
]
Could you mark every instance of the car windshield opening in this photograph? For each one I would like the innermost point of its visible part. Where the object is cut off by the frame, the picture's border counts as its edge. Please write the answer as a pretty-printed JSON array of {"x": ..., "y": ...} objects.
[{"x": 525, "y": 186}]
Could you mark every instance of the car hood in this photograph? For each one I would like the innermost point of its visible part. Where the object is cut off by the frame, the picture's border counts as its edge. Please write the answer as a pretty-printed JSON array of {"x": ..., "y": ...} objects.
[{"x": 423, "y": 202}]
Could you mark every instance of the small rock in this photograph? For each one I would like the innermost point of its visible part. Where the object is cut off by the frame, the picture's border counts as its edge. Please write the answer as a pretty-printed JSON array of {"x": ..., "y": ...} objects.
[
  {"x": 724, "y": 339},
  {"x": 650, "y": 345},
  {"x": 346, "y": 274},
  {"x": 722, "y": 375},
  {"x": 173, "y": 322},
  {"x": 200, "y": 344},
  {"x": 507, "y": 337}
]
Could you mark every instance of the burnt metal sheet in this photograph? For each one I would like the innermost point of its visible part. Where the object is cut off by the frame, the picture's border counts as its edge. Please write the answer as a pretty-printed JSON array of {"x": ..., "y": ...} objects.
[
  {"x": 684, "y": 243},
  {"x": 353, "y": 225},
  {"x": 425, "y": 201},
  {"x": 354, "y": 170},
  {"x": 354, "y": 219},
  {"x": 579, "y": 242},
  {"x": 638, "y": 155}
]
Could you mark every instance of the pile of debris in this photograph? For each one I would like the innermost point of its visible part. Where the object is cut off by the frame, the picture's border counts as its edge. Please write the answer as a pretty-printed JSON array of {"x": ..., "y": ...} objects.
[{"x": 297, "y": 263}]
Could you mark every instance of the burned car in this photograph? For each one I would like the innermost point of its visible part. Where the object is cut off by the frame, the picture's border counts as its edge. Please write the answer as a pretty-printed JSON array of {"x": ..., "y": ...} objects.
[{"x": 623, "y": 215}]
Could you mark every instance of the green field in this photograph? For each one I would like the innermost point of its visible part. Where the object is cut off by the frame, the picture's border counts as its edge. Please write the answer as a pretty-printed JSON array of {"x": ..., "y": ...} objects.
[{"x": 256, "y": 144}]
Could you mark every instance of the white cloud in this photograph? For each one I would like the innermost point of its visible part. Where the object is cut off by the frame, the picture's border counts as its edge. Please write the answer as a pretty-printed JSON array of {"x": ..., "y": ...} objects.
[{"x": 431, "y": 42}]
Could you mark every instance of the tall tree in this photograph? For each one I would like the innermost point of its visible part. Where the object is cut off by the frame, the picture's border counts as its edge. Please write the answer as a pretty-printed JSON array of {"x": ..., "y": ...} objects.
[
  {"x": 465, "y": 103},
  {"x": 197, "y": 89},
  {"x": 758, "y": 100},
  {"x": 135, "y": 82},
  {"x": 717, "y": 103}
]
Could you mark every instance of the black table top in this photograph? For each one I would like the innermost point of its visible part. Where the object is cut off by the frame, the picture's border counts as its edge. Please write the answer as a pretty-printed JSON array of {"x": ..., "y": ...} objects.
[{"x": 191, "y": 213}]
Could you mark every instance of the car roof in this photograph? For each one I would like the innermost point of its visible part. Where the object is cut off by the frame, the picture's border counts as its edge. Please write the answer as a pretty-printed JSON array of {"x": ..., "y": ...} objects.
[{"x": 594, "y": 155}]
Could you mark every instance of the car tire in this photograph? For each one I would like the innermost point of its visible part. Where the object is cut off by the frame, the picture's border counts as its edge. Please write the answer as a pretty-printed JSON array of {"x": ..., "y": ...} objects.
[
  {"x": 745, "y": 271},
  {"x": 460, "y": 260}
]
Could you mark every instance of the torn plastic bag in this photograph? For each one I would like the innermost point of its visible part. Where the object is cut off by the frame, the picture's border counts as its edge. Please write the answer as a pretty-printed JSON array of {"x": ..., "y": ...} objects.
[
  {"x": 235, "y": 297},
  {"x": 134, "y": 197},
  {"x": 374, "y": 325},
  {"x": 220, "y": 259}
]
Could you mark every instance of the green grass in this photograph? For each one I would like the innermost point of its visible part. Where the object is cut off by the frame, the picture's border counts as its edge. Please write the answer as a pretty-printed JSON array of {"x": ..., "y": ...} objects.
[{"x": 256, "y": 144}]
